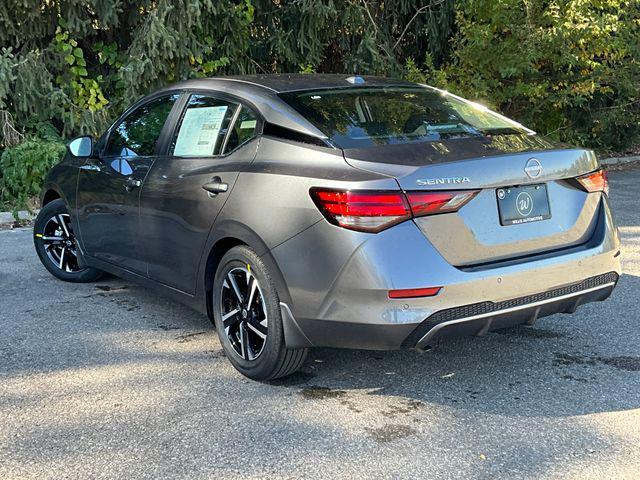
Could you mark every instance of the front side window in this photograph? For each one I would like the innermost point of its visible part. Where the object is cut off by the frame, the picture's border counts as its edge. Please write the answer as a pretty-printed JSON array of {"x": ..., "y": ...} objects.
[
  {"x": 138, "y": 133},
  {"x": 203, "y": 127},
  {"x": 366, "y": 117}
]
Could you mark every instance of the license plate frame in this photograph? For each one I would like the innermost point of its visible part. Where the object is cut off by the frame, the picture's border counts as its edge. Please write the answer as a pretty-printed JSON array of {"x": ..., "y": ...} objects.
[{"x": 523, "y": 204}]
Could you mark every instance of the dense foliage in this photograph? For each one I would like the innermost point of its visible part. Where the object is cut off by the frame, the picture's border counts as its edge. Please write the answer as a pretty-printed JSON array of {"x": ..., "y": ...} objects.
[
  {"x": 76, "y": 64},
  {"x": 568, "y": 68},
  {"x": 24, "y": 168}
]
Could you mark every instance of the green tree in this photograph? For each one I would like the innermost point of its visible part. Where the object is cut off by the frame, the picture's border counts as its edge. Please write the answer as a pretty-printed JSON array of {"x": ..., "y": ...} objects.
[
  {"x": 568, "y": 68},
  {"x": 75, "y": 64}
]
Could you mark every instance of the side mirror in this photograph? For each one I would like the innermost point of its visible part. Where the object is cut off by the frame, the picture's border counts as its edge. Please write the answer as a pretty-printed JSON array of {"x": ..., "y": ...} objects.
[{"x": 81, "y": 147}]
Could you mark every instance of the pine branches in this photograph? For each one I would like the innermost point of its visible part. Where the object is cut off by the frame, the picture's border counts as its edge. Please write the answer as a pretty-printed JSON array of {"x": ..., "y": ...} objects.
[{"x": 72, "y": 63}]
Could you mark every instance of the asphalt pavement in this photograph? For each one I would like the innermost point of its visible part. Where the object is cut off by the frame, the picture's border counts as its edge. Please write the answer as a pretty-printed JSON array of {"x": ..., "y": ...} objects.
[{"x": 111, "y": 380}]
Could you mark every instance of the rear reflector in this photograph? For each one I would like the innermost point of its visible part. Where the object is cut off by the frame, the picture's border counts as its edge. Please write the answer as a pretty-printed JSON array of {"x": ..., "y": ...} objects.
[
  {"x": 415, "y": 292},
  {"x": 595, "y": 182},
  {"x": 373, "y": 211}
]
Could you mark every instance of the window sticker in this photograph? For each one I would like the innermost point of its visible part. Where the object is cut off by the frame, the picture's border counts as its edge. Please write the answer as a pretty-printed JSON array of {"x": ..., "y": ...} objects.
[
  {"x": 248, "y": 124},
  {"x": 199, "y": 131}
]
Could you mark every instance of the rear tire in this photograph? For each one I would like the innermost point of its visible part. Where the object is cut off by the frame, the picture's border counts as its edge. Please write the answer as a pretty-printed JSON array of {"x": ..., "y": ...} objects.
[
  {"x": 56, "y": 245},
  {"x": 246, "y": 311}
]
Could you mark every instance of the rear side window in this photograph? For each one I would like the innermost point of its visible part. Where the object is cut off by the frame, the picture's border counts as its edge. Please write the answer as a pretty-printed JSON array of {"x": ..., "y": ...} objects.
[
  {"x": 243, "y": 130},
  {"x": 366, "y": 117},
  {"x": 203, "y": 127},
  {"x": 138, "y": 133}
]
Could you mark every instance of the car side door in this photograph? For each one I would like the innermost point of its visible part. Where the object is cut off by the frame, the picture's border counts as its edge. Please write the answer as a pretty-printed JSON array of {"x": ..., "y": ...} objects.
[
  {"x": 214, "y": 138},
  {"x": 109, "y": 184}
]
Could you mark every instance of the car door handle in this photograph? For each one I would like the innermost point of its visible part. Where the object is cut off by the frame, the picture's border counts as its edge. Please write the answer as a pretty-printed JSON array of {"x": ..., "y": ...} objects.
[
  {"x": 215, "y": 186},
  {"x": 90, "y": 167},
  {"x": 131, "y": 183}
]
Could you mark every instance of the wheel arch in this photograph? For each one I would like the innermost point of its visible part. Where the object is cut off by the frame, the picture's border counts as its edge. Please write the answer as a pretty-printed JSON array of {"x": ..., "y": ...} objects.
[
  {"x": 52, "y": 191},
  {"x": 49, "y": 195},
  {"x": 230, "y": 234}
]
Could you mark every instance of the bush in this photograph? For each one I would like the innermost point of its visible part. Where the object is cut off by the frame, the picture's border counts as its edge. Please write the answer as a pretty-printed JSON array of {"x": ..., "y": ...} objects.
[
  {"x": 566, "y": 68},
  {"x": 24, "y": 168}
]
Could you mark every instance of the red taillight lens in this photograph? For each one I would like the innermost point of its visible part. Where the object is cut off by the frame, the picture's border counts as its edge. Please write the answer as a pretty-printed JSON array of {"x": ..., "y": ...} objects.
[
  {"x": 362, "y": 211},
  {"x": 595, "y": 182},
  {"x": 371, "y": 211},
  {"x": 429, "y": 203}
]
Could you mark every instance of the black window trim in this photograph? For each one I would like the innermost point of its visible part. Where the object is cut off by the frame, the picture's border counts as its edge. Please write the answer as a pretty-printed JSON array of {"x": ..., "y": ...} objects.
[
  {"x": 232, "y": 124},
  {"x": 283, "y": 133},
  {"x": 218, "y": 95},
  {"x": 140, "y": 103}
]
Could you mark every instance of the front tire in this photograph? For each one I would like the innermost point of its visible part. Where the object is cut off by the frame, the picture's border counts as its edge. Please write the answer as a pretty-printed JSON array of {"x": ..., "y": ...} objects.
[
  {"x": 246, "y": 311},
  {"x": 56, "y": 245}
]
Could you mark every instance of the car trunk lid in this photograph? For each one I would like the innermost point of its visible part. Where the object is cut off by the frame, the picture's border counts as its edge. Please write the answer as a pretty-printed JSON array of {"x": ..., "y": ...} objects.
[{"x": 476, "y": 234}]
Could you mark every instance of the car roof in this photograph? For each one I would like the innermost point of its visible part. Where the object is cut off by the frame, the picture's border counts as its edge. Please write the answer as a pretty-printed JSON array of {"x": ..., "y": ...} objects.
[
  {"x": 261, "y": 91},
  {"x": 289, "y": 82}
]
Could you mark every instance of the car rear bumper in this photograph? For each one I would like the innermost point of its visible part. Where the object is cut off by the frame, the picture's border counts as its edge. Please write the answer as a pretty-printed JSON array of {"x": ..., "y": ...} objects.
[
  {"x": 480, "y": 318},
  {"x": 339, "y": 282}
]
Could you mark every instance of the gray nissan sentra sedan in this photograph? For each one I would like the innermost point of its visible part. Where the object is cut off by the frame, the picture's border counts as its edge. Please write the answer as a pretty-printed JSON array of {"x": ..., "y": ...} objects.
[{"x": 303, "y": 211}]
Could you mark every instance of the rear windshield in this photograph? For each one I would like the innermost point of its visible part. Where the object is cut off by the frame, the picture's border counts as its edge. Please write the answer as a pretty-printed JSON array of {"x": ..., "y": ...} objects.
[{"x": 366, "y": 117}]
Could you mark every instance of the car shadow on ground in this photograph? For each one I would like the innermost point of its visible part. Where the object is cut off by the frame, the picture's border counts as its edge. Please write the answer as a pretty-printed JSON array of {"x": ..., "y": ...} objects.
[{"x": 563, "y": 366}]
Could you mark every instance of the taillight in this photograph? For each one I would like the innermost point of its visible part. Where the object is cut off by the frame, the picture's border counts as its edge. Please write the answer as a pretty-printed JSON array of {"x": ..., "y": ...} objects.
[
  {"x": 373, "y": 211},
  {"x": 362, "y": 211},
  {"x": 595, "y": 182},
  {"x": 429, "y": 203}
]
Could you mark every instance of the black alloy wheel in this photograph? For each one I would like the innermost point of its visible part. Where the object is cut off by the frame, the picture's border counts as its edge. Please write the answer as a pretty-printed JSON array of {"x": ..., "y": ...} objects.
[
  {"x": 243, "y": 314},
  {"x": 57, "y": 245},
  {"x": 248, "y": 318},
  {"x": 60, "y": 243}
]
